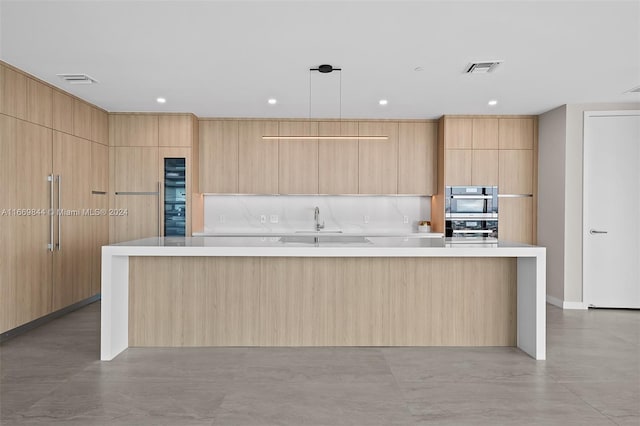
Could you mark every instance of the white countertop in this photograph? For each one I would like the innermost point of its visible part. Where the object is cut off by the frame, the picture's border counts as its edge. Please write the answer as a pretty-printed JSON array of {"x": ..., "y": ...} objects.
[
  {"x": 381, "y": 233},
  {"x": 269, "y": 246}
]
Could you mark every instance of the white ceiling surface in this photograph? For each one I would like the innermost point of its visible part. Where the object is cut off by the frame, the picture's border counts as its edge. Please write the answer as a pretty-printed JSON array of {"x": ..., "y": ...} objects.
[{"x": 225, "y": 59}]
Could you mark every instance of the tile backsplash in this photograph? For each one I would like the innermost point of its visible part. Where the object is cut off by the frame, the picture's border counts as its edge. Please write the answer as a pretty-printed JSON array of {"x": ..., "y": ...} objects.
[{"x": 283, "y": 213}]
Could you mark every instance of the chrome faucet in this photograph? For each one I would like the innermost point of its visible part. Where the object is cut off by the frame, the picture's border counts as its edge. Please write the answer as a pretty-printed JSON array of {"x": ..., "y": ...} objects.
[{"x": 316, "y": 217}]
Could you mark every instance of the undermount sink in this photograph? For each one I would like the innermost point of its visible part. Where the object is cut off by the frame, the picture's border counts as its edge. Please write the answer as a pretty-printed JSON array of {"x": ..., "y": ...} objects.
[{"x": 327, "y": 239}]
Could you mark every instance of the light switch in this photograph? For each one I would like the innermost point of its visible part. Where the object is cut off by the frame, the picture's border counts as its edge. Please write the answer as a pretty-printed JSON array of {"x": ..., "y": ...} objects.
[
  {"x": 405, "y": 219},
  {"x": 263, "y": 218}
]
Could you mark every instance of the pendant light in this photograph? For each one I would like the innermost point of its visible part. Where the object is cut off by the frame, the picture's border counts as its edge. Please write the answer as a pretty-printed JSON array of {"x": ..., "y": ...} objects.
[{"x": 326, "y": 69}]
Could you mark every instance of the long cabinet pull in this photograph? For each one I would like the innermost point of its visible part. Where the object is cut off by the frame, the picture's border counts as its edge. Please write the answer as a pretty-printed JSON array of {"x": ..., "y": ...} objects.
[
  {"x": 515, "y": 195},
  {"x": 51, "y": 213},
  {"x": 137, "y": 193},
  {"x": 59, "y": 245}
]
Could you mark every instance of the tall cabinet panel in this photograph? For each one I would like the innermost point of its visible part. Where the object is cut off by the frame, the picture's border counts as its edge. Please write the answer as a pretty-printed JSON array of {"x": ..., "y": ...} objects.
[
  {"x": 72, "y": 263},
  {"x": 99, "y": 203},
  {"x": 378, "y": 158},
  {"x": 34, "y": 260},
  {"x": 258, "y": 158},
  {"x": 8, "y": 223},
  {"x": 219, "y": 156},
  {"x": 298, "y": 159},
  {"x": 417, "y": 158},
  {"x": 338, "y": 159}
]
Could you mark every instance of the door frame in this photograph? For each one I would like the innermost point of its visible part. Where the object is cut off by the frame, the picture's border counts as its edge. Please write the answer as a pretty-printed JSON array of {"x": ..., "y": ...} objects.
[{"x": 586, "y": 290}]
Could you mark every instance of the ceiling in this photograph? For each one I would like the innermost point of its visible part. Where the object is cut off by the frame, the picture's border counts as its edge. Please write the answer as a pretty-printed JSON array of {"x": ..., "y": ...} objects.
[{"x": 225, "y": 59}]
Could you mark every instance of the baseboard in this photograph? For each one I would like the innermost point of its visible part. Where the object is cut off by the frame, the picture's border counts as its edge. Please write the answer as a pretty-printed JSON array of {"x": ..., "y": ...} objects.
[
  {"x": 554, "y": 301},
  {"x": 565, "y": 305},
  {"x": 45, "y": 319}
]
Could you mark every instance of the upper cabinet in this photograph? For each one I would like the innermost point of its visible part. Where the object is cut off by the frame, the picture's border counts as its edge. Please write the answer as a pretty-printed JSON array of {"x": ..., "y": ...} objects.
[
  {"x": 99, "y": 126},
  {"x": 378, "y": 159},
  {"x": 338, "y": 159},
  {"x": 219, "y": 156},
  {"x": 485, "y": 133},
  {"x": 258, "y": 158},
  {"x": 62, "y": 112},
  {"x": 39, "y": 103},
  {"x": 13, "y": 93},
  {"x": 175, "y": 130},
  {"x": 459, "y": 133},
  {"x": 298, "y": 158},
  {"x": 417, "y": 158},
  {"x": 133, "y": 130},
  {"x": 516, "y": 133},
  {"x": 81, "y": 119}
]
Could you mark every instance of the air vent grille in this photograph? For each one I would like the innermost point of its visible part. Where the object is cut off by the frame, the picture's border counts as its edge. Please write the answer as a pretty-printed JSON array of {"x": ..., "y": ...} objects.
[
  {"x": 482, "y": 67},
  {"x": 77, "y": 78}
]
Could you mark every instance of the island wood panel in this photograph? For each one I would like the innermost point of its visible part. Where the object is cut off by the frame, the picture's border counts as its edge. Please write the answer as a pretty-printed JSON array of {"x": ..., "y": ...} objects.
[
  {"x": 133, "y": 130},
  {"x": 458, "y": 133},
  {"x": 13, "y": 93},
  {"x": 219, "y": 156},
  {"x": 62, "y": 112},
  {"x": 484, "y": 167},
  {"x": 338, "y": 159},
  {"x": 81, "y": 119},
  {"x": 298, "y": 159},
  {"x": 485, "y": 133},
  {"x": 175, "y": 130},
  {"x": 378, "y": 159},
  {"x": 34, "y": 260},
  {"x": 417, "y": 158},
  {"x": 258, "y": 158},
  {"x": 458, "y": 167},
  {"x": 8, "y": 224},
  {"x": 198, "y": 301},
  {"x": 72, "y": 262},
  {"x": 39, "y": 103},
  {"x": 516, "y": 171},
  {"x": 516, "y": 133},
  {"x": 516, "y": 218},
  {"x": 99, "y": 126}
]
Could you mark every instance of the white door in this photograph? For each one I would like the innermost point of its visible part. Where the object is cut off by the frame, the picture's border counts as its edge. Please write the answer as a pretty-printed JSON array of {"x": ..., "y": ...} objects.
[{"x": 611, "y": 233}]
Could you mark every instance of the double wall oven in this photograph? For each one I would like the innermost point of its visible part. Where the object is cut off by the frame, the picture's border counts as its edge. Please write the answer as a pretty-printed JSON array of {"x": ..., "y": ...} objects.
[{"x": 471, "y": 213}]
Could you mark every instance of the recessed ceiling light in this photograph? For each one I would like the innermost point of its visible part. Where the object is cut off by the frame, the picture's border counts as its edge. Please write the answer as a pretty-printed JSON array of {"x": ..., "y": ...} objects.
[
  {"x": 161, "y": 100},
  {"x": 272, "y": 101},
  {"x": 492, "y": 102},
  {"x": 383, "y": 102},
  {"x": 418, "y": 69}
]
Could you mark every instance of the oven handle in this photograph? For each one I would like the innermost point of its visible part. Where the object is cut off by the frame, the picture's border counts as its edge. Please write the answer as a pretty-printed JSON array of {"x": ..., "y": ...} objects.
[{"x": 473, "y": 197}]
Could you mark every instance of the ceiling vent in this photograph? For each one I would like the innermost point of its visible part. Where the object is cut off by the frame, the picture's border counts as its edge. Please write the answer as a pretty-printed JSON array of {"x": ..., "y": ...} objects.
[
  {"x": 482, "y": 67},
  {"x": 77, "y": 78}
]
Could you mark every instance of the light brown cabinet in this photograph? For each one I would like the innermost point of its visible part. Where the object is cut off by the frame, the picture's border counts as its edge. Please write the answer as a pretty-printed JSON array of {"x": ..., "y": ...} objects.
[
  {"x": 62, "y": 112},
  {"x": 484, "y": 167},
  {"x": 219, "y": 156},
  {"x": 298, "y": 159},
  {"x": 516, "y": 133},
  {"x": 81, "y": 119},
  {"x": 175, "y": 130},
  {"x": 338, "y": 159},
  {"x": 485, "y": 133},
  {"x": 13, "y": 93},
  {"x": 133, "y": 130},
  {"x": 516, "y": 217},
  {"x": 99, "y": 126},
  {"x": 136, "y": 169},
  {"x": 417, "y": 158},
  {"x": 378, "y": 159},
  {"x": 516, "y": 171},
  {"x": 457, "y": 167},
  {"x": 100, "y": 202},
  {"x": 458, "y": 133},
  {"x": 258, "y": 158},
  {"x": 39, "y": 103}
]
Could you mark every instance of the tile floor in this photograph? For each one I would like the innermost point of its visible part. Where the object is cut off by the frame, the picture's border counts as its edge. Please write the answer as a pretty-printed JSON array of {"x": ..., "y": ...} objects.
[{"x": 52, "y": 375}]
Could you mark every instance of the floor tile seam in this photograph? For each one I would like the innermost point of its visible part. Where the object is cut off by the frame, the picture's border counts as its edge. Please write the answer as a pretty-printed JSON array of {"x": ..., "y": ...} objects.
[{"x": 587, "y": 403}]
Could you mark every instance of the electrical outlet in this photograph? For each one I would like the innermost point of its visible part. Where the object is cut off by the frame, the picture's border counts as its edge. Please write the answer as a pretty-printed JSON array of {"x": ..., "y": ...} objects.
[
  {"x": 221, "y": 218},
  {"x": 273, "y": 218},
  {"x": 405, "y": 219},
  {"x": 366, "y": 219},
  {"x": 263, "y": 218}
]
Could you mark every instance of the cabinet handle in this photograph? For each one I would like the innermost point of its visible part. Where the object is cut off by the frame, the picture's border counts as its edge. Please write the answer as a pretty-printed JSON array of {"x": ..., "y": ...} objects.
[
  {"x": 515, "y": 195},
  {"x": 51, "y": 212},
  {"x": 59, "y": 215},
  {"x": 99, "y": 192},
  {"x": 595, "y": 231},
  {"x": 137, "y": 193}
]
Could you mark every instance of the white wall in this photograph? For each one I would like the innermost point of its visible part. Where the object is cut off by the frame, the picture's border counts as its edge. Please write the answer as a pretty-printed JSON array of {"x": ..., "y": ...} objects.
[
  {"x": 550, "y": 134},
  {"x": 551, "y": 211},
  {"x": 242, "y": 213}
]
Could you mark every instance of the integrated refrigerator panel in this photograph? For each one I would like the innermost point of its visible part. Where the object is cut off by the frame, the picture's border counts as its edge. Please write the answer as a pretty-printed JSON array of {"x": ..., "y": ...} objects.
[{"x": 175, "y": 196}]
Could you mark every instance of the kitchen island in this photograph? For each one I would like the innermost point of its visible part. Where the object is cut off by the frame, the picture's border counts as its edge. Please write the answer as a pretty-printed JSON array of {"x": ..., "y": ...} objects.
[{"x": 321, "y": 291}]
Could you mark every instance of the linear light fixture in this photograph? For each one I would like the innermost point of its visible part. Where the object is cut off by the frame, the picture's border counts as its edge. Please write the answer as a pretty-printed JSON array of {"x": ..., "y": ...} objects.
[
  {"x": 326, "y": 69},
  {"x": 327, "y": 138}
]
